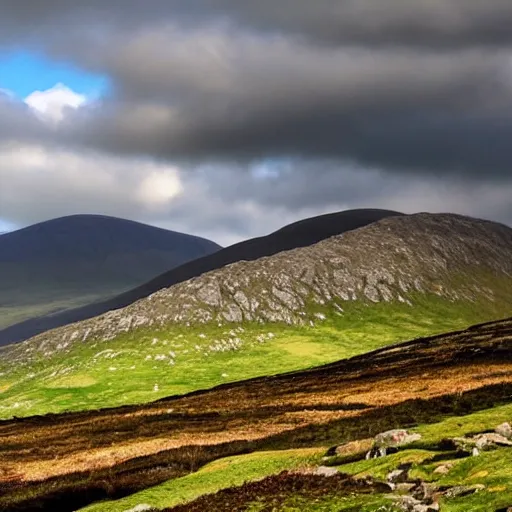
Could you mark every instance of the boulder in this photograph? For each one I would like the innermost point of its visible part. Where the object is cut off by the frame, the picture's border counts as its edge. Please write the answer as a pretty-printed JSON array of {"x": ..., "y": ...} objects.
[
  {"x": 362, "y": 445},
  {"x": 443, "y": 469},
  {"x": 424, "y": 492},
  {"x": 504, "y": 430},
  {"x": 398, "y": 476},
  {"x": 410, "y": 504},
  {"x": 325, "y": 471},
  {"x": 389, "y": 441},
  {"x": 476, "y": 444},
  {"x": 395, "y": 438},
  {"x": 491, "y": 441},
  {"x": 463, "y": 490}
]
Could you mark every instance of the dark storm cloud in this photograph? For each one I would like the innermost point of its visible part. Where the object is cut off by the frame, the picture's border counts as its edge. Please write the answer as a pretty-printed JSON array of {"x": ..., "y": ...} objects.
[
  {"x": 229, "y": 96},
  {"x": 431, "y": 23},
  {"x": 17, "y": 121},
  {"x": 214, "y": 90},
  {"x": 394, "y": 104}
]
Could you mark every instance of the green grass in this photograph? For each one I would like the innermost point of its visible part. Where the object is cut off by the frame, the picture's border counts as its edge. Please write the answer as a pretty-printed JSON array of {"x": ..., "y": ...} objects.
[
  {"x": 221, "y": 474},
  {"x": 332, "y": 503},
  {"x": 136, "y": 367},
  {"x": 491, "y": 469}
]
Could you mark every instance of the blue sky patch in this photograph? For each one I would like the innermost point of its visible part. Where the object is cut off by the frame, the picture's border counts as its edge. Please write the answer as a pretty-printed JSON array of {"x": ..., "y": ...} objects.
[{"x": 24, "y": 72}]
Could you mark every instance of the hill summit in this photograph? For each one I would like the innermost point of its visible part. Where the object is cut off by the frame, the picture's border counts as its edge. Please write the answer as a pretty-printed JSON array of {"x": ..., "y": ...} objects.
[
  {"x": 300, "y": 234},
  {"x": 74, "y": 260},
  {"x": 395, "y": 259}
]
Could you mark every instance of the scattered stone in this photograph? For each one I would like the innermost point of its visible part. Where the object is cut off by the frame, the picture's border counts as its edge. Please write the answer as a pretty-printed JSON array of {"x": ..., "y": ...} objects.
[
  {"x": 404, "y": 488},
  {"x": 443, "y": 469},
  {"x": 325, "y": 471},
  {"x": 410, "y": 504},
  {"x": 398, "y": 476},
  {"x": 391, "y": 439},
  {"x": 424, "y": 492},
  {"x": 140, "y": 508},
  {"x": 504, "y": 430},
  {"x": 476, "y": 444},
  {"x": 491, "y": 441},
  {"x": 463, "y": 490},
  {"x": 360, "y": 446}
]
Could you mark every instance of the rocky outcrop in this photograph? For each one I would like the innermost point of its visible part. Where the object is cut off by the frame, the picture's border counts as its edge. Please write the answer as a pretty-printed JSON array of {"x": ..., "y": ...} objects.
[
  {"x": 474, "y": 445},
  {"x": 392, "y": 260},
  {"x": 391, "y": 439}
]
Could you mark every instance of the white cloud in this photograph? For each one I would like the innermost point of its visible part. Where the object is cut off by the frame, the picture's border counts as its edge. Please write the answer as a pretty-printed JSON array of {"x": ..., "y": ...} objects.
[
  {"x": 218, "y": 202},
  {"x": 52, "y": 103},
  {"x": 39, "y": 182},
  {"x": 160, "y": 186}
]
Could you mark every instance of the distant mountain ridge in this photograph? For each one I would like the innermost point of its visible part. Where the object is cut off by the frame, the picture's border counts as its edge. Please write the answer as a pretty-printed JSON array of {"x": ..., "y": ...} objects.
[
  {"x": 72, "y": 259},
  {"x": 86, "y": 236},
  {"x": 449, "y": 256},
  {"x": 299, "y": 234}
]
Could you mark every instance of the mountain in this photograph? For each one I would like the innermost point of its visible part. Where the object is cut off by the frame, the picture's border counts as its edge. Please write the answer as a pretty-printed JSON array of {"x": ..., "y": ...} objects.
[
  {"x": 399, "y": 278},
  {"x": 450, "y": 256},
  {"x": 77, "y": 259},
  {"x": 447, "y": 390},
  {"x": 300, "y": 234}
]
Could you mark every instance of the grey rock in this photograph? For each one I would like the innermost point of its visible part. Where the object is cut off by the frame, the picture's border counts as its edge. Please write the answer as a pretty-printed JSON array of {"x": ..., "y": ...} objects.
[
  {"x": 380, "y": 262},
  {"x": 233, "y": 313},
  {"x": 325, "y": 471},
  {"x": 409, "y": 504},
  {"x": 479, "y": 443},
  {"x": 210, "y": 294},
  {"x": 398, "y": 476},
  {"x": 504, "y": 430},
  {"x": 241, "y": 299},
  {"x": 395, "y": 438},
  {"x": 443, "y": 469},
  {"x": 425, "y": 491},
  {"x": 463, "y": 490},
  {"x": 490, "y": 441},
  {"x": 404, "y": 488}
]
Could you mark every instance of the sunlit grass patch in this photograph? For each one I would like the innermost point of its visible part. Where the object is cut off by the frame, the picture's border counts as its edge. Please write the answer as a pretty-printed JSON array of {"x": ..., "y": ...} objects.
[
  {"x": 72, "y": 381},
  {"x": 221, "y": 474},
  {"x": 149, "y": 364}
]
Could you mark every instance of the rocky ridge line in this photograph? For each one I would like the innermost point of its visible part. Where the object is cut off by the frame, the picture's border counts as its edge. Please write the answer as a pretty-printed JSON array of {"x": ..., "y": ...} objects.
[{"x": 386, "y": 261}]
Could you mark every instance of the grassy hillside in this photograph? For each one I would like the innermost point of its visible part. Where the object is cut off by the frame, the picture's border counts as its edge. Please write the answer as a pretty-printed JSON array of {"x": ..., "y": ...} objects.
[
  {"x": 491, "y": 471},
  {"x": 396, "y": 279},
  {"x": 148, "y": 364},
  {"x": 221, "y": 474},
  {"x": 173, "y": 453}
]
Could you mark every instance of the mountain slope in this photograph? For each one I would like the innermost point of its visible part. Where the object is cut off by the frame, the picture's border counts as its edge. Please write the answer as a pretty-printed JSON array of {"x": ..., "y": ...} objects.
[
  {"x": 396, "y": 279},
  {"x": 79, "y": 258},
  {"x": 299, "y": 234},
  {"x": 450, "y": 256}
]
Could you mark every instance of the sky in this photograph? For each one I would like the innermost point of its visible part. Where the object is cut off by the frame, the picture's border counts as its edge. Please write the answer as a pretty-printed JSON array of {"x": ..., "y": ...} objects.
[{"x": 229, "y": 119}]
